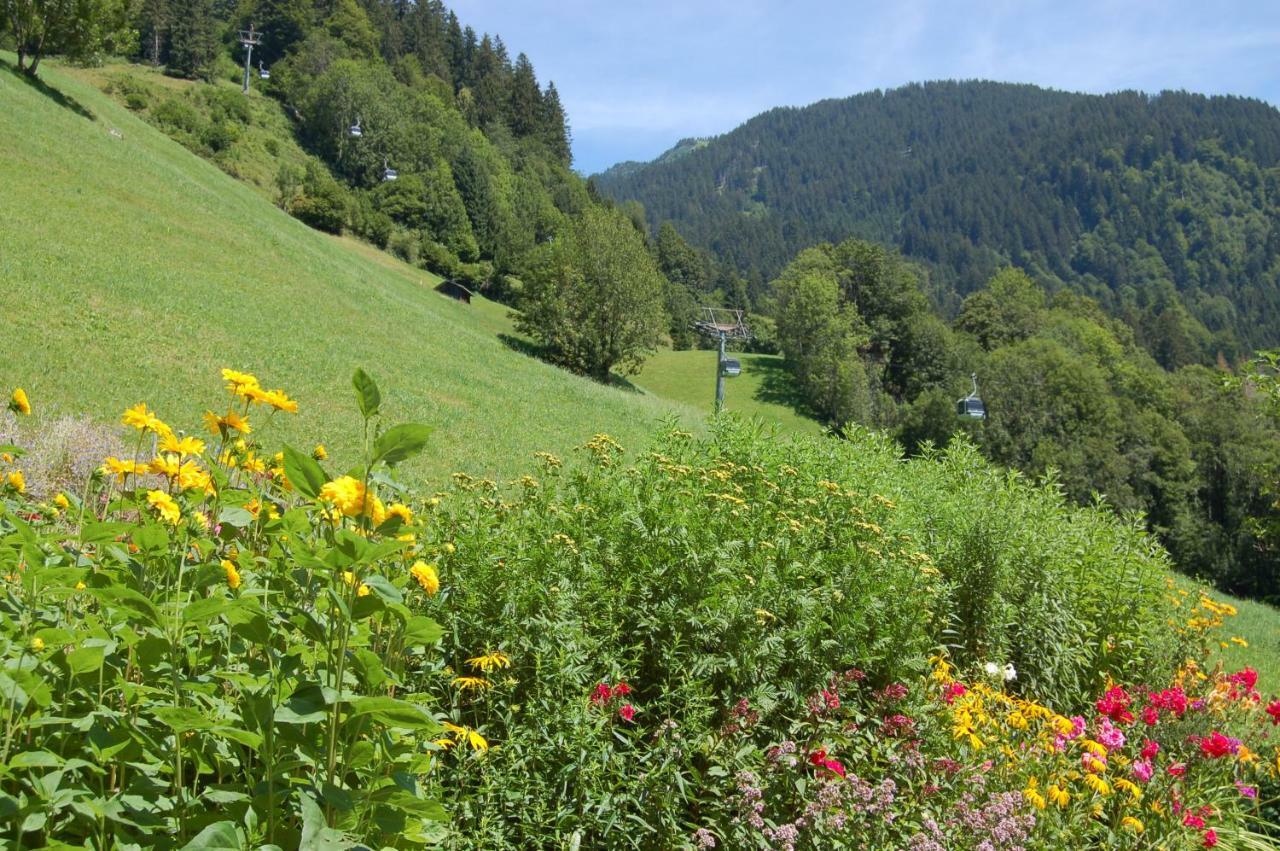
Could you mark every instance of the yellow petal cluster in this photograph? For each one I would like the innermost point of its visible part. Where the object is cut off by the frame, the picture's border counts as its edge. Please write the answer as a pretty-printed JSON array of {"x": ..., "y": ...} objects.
[
  {"x": 19, "y": 403},
  {"x": 164, "y": 506},
  {"x": 233, "y": 575},
  {"x": 426, "y": 576}
]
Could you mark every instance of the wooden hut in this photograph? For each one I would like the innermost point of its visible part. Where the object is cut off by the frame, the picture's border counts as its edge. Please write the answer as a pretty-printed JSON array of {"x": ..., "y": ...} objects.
[{"x": 454, "y": 290}]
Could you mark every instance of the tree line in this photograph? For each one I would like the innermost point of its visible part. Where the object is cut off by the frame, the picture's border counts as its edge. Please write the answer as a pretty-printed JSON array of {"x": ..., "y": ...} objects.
[
  {"x": 1070, "y": 394},
  {"x": 1164, "y": 209}
]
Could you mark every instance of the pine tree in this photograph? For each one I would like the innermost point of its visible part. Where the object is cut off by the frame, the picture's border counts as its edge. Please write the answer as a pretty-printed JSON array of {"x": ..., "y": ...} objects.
[
  {"x": 193, "y": 41},
  {"x": 153, "y": 30},
  {"x": 555, "y": 127},
  {"x": 524, "y": 106}
]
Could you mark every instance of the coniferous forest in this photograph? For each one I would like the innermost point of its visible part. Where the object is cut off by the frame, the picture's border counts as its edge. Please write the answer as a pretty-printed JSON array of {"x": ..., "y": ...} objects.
[{"x": 1147, "y": 204}]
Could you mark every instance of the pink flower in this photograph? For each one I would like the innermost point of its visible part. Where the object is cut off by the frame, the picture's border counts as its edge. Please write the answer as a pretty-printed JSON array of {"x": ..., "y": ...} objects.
[
  {"x": 1115, "y": 705},
  {"x": 1109, "y": 735},
  {"x": 1210, "y": 838},
  {"x": 1142, "y": 769},
  {"x": 951, "y": 692},
  {"x": 831, "y": 699},
  {"x": 1150, "y": 716},
  {"x": 1192, "y": 820},
  {"x": 834, "y": 766},
  {"x": 601, "y": 693},
  {"x": 1273, "y": 709},
  {"x": 1248, "y": 678},
  {"x": 1216, "y": 745},
  {"x": 818, "y": 757},
  {"x": 621, "y": 689},
  {"x": 627, "y": 711},
  {"x": 1246, "y": 791},
  {"x": 1178, "y": 769},
  {"x": 1171, "y": 700},
  {"x": 1150, "y": 749}
]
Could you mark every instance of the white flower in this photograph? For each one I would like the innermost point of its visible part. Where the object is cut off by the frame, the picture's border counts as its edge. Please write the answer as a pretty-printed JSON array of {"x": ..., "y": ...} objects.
[
  {"x": 992, "y": 669},
  {"x": 1010, "y": 673}
]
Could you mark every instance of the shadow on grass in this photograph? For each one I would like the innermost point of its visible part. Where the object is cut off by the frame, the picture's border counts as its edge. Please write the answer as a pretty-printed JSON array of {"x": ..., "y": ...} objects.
[
  {"x": 531, "y": 349},
  {"x": 778, "y": 386},
  {"x": 45, "y": 89}
]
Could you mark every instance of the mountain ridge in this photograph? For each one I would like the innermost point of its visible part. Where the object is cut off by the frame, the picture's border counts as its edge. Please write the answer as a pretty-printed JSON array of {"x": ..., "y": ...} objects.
[{"x": 1123, "y": 196}]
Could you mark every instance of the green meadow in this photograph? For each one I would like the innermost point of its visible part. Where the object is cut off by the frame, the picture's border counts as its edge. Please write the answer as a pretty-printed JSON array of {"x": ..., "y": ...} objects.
[{"x": 134, "y": 271}]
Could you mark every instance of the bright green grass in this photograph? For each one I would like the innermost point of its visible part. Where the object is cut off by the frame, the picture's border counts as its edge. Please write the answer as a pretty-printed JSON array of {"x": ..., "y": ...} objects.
[
  {"x": 1259, "y": 624},
  {"x": 762, "y": 390},
  {"x": 133, "y": 270}
]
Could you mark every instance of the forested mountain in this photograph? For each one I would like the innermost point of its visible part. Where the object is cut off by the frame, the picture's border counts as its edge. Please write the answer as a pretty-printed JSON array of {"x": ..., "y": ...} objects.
[{"x": 1129, "y": 198}]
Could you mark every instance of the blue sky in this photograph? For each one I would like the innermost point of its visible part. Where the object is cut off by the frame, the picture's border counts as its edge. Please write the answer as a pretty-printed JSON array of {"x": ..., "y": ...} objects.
[{"x": 636, "y": 77}]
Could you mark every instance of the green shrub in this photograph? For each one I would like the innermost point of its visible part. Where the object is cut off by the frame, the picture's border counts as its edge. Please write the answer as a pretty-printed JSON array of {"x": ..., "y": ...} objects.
[
  {"x": 175, "y": 114},
  {"x": 135, "y": 101}
]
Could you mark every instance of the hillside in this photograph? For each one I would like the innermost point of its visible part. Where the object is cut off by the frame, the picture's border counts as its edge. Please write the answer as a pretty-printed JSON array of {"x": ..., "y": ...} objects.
[
  {"x": 134, "y": 270},
  {"x": 1126, "y": 197}
]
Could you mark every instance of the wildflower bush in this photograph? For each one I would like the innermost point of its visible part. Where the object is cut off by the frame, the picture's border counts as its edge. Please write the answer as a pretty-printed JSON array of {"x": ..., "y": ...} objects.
[
  {"x": 206, "y": 646},
  {"x": 723, "y": 642}
]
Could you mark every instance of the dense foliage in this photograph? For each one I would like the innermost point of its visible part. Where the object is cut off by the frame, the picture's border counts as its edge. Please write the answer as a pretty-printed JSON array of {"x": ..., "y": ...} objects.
[
  {"x": 202, "y": 644},
  {"x": 735, "y": 640},
  {"x": 1147, "y": 204},
  {"x": 1069, "y": 391}
]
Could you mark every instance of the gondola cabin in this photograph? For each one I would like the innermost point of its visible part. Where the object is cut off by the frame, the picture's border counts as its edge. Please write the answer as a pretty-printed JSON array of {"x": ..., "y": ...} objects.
[
  {"x": 971, "y": 407},
  {"x": 730, "y": 367}
]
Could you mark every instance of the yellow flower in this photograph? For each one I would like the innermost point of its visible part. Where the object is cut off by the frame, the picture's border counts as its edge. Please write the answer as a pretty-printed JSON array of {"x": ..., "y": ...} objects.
[
  {"x": 1035, "y": 798},
  {"x": 426, "y": 576},
  {"x": 476, "y": 741},
  {"x": 239, "y": 383},
  {"x": 1059, "y": 796},
  {"x": 278, "y": 400},
  {"x": 19, "y": 403},
  {"x": 233, "y": 575},
  {"x": 492, "y": 660},
  {"x": 1240, "y": 641},
  {"x": 201, "y": 519},
  {"x": 80, "y": 586},
  {"x": 319, "y": 453},
  {"x": 164, "y": 506},
  {"x": 1097, "y": 784},
  {"x": 346, "y": 494},
  {"x": 230, "y": 421},
  {"x": 191, "y": 477},
  {"x": 253, "y": 464},
  {"x": 164, "y": 465},
  {"x": 61, "y": 501},
  {"x": 1128, "y": 786},
  {"x": 181, "y": 447},
  {"x": 144, "y": 420},
  {"x": 37, "y": 644},
  {"x": 17, "y": 482},
  {"x": 123, "y": 469},
  {"x": 404, "y": 512},
  {"x": 1132, "y": 823},
  {"x": 472, "y": 683},
  {"x": 363, "y": 590}
]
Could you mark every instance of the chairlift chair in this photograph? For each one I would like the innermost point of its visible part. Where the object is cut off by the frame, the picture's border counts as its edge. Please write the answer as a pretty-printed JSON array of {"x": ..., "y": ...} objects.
[
  {"x": 971, "y": 405},
  {"x": 263, "y": 73}
]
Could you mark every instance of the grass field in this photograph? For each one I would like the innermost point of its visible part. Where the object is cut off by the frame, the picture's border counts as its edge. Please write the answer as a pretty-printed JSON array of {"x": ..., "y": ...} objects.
[
  {"x": 762, "y": 390},
  {"x": 133, "y": 270}
]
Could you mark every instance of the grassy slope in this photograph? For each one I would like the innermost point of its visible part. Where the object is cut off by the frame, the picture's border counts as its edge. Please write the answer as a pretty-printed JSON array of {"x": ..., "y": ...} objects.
[{"x": 133, "y": 270}]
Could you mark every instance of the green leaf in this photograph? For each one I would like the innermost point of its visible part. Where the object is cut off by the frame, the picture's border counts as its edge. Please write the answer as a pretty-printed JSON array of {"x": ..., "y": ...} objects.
[
  {"x": 421, "y": 630},
  {"x": 394, "y": 713},
  {"x": 133, "y": 603},
  {"x": 237, "y": 517},
  {"x": 82, "y": 660},
  {"x": 305, "y": 706},
  {"x": 247, "y": 738},
  {"x": 306, "y": 476},
  {"x": 400, "y": 443},
  {"x": 316, "y": 834},
  {"x": 35, "y": 759},
  {"x": 219, "y": 836},
  {"x": 383, "y": 588},
  {"x": 367, "y": 395},
  {"x": 181, "y": 719}
]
